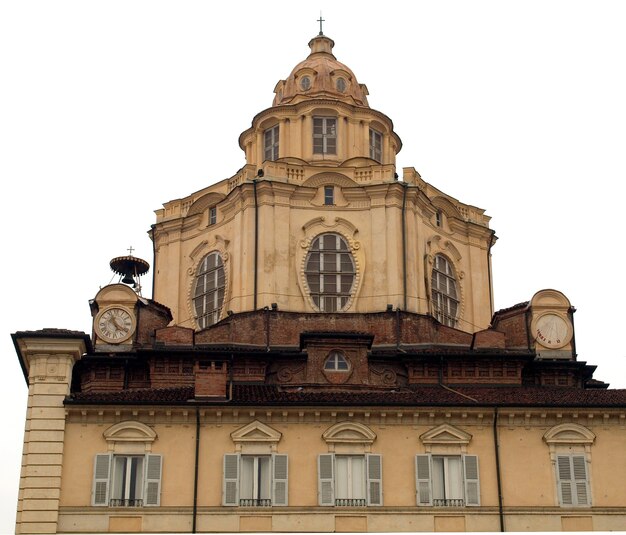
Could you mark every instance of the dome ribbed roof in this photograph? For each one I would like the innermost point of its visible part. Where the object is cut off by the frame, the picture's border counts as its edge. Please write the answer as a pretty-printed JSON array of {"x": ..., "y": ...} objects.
[{"x": 320, "y": 75}]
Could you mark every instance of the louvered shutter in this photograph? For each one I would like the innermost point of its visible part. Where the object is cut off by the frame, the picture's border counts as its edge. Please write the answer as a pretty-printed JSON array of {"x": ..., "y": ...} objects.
[
  {"x": 581, "y": 482},
  {"x": 280, "y": 488},
  {"x": 423, "y": 481},
  {"x": 326, "y": 479},
  {"x": 472, "y": 483},
  {"x": 572, "y": 481},
  {"x": 374, "y": 479},
  {"x": 101, "y": 475},
  {"x": 152, "y": 495},
  {"x": 564, "y": 479},
  {"x": 230, "y": 486}
]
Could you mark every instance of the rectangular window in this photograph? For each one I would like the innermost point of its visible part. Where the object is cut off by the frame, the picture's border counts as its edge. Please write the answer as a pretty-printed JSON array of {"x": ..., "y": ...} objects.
[
  {"x": 447, "y": 480},
  {"x": 255, "y": 480},
  {"x": 212, "y": 215},
  {"x": 572, "y": 480},
  {"x": 329, "y": 195},
  {"x": 350, "y": 480},
  {"x": 126, "y": 480},
  {"x": 270, "y": 143},
  {"x": 324, "y": 135},
  {"x": 376, "y": 145}
]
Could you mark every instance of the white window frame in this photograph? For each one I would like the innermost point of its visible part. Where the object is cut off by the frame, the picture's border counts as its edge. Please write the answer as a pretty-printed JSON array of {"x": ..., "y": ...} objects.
[
  {"x": 445, "y": 291},
  {"x": 424, "y": 481},
  {"x": 327, "y": 480},
  {"x": 271, "y": 143},
  {"x": 324, "y": 299},
  {"x": 325, "y": 135},
  {"x": 103, "y": 481},
  {"x": 208, "y": 301},
  {"x": 278, "y": 483},
  {"x": 334, "y": 362},
  {"x": 376, "y": 145}
]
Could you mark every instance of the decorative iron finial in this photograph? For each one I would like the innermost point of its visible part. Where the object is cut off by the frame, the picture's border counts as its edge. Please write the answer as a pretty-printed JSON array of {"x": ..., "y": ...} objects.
[
  {"x": 320, "y": 20},
  {"x": 130, "y": 250}
]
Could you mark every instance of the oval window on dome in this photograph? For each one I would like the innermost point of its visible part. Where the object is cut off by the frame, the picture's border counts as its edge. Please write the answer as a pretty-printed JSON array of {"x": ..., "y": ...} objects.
[
  {"x": 341, "y": 85},
  {"x": 305, "y": 83},
  {"x": 208, "y": 292},
  {"x": 330, "y": 272}
]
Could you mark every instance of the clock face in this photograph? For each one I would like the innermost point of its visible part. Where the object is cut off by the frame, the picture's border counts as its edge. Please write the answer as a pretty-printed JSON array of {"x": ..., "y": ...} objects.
[
  {"x": 114, "y": 325},
  {"x": 552, "y": 331}
]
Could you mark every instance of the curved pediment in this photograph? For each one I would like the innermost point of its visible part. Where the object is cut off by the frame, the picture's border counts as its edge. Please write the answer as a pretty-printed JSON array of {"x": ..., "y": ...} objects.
[
  {"x": 569, "y": 434},
  {"x": 130, "y": 431},
  {"x": 202, "y": 203},
  {"x": 349, "y": 433}
]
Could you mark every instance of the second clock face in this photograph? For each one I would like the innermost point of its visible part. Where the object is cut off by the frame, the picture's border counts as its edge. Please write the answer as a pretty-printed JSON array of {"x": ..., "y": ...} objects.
[
  {"x": 114, "y": 325},
  {"x": 552, "y": 331}
]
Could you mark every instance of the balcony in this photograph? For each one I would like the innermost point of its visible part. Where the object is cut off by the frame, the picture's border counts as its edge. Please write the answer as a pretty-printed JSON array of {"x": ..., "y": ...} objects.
[
  {"x": 350, "y": 502},
  {"x": 449, "y": 503},
  {"x": 125, "y": 503},
  {"x": 254, "y": 502}
]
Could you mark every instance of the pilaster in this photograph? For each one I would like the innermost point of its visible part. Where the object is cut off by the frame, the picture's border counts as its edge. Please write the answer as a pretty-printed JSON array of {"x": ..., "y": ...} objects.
[{"x": 48, "y": 362}]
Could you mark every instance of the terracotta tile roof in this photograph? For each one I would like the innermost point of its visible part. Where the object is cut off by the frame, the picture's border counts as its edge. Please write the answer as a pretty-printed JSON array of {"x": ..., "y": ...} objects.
[{"x": 251, "y": 394}]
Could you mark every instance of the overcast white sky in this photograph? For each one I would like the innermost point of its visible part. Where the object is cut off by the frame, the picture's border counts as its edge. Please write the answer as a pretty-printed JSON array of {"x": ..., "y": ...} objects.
[{"x": 109, "y": 109}]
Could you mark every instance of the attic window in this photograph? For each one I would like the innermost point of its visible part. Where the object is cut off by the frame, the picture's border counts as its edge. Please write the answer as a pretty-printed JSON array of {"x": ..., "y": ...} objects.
[
  {"x": 329, "y": 195},
  {"x": 212, "y": 215},
  {"x": 336, "y": 362}
]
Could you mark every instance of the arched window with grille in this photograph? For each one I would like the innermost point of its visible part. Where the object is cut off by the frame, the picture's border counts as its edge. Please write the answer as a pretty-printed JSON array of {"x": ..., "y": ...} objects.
[
  {"x": 445, "y": 295},
  {"x": 208, "y": 293},
  {"x": 330, "y": 272}
]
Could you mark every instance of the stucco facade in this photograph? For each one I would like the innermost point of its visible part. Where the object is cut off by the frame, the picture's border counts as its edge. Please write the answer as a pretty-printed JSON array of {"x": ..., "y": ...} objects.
[{"x": 320, "y": 354}]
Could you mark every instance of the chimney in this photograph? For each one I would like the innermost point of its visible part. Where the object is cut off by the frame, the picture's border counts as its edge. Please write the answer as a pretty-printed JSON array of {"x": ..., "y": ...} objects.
[{"x": 210, "y": 379}]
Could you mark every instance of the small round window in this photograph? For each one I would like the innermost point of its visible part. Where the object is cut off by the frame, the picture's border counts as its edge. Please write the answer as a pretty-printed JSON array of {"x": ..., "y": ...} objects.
[
  {"x": 305, "y": 83},
  {"x": 208, "y": 292},
  {"x": 336, "y": 362},
  {"x": 341, "y": 85}
]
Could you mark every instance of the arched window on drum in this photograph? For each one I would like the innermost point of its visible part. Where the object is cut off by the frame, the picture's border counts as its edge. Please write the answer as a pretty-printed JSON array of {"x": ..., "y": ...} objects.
[
  {"x": 208, "y": 292},
  {"x": 330, "y": 272}
]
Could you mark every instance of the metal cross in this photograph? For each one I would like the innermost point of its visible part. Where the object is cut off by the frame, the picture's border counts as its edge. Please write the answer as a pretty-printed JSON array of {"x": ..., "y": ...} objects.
[
  {"x": 320, "y": 20},
  {"x": 130, "y": 250}
]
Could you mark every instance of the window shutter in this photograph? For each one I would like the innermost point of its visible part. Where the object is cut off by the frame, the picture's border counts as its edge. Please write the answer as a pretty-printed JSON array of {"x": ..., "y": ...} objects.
[
  {"x": 152, "y": 480},
  {"x": 472, "y": 484},
  {"x": 326, "y": 479},
  {"x": 230, "y": 486},
  {"x": 422, "y": 478},
  {"x": 581, "y": 481},
  {"x": 564, "y": 479},
  {"x": 280, "y": 488},
  {"x": 374, "y": 479},
  {"x": 101, "y": 473}
]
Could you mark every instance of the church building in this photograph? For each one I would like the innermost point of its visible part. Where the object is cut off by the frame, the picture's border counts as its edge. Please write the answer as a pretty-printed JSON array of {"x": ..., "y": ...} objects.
[{"x": 320, "y": 354}]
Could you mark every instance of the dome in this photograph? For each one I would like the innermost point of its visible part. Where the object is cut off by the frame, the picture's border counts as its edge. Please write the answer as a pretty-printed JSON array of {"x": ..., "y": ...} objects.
[{"x": 321, "y": 76}]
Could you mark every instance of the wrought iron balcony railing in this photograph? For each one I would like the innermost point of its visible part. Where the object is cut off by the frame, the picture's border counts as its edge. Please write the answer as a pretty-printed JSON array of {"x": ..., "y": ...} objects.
[
  {"x": 448, "y": 503},
  {"x": 125, "y": 503},
  {"x": 350, "y": 502},
  {"x": 254, "y": 502}
]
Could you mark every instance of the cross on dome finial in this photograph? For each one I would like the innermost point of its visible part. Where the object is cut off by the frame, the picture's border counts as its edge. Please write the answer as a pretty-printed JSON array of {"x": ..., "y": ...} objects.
[
  {"x": 320, "y": 20},
  {"x": 130, "y": 250}
]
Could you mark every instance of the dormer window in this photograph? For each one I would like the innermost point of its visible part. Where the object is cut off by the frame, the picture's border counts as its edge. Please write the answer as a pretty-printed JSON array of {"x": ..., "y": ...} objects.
[
  {"x": 376, "y": 145},
  {"x": 270, "y": 143},
  {"x": 324, "y": 135},
  {"x": 329, "y": 195}
]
